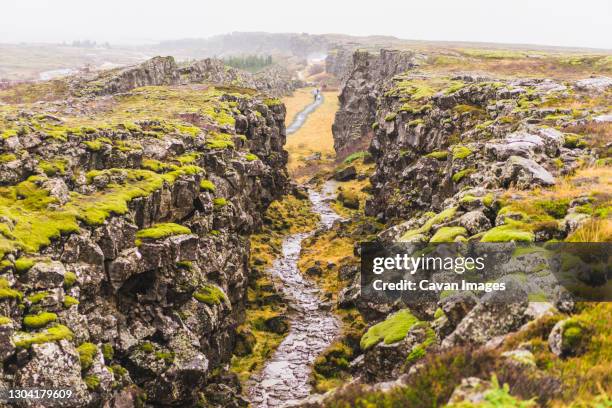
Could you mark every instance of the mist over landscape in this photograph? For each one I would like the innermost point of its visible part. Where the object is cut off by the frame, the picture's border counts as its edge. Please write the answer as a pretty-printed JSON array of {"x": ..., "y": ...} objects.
[{"x": 197, "y": 200}]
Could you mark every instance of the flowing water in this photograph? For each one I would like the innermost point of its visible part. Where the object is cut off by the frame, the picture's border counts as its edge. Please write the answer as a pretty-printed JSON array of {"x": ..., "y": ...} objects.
[
  {"x": 301, "y": 117},
  {"x": 284, "y": 378}
]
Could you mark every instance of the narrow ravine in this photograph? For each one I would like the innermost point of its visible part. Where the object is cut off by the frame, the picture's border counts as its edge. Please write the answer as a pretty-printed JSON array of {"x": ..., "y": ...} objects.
[
  {"x": 284, "y": 378},
  {"x": 301, "y": 117}
]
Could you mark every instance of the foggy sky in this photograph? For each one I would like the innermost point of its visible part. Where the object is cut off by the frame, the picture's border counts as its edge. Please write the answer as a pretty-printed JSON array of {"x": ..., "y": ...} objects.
[{"x": 586, "y": 23}]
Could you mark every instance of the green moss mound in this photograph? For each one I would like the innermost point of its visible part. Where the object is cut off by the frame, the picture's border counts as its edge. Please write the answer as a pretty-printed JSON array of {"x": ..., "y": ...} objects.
[
  {"x": 70, "y": 301},
  {"x": 507, "y": 233},
  {"x": 219, "y": 202},
  {"x": 448, "y": 234},
  {"x": 24, "y": 264},
  {"x": 460, "y": 175},
  {"x": 461, "y": 152},
  {"x": 40, "y": 320},
  {"x": 210, "y": 294},
  {"x": 391, "y": 330},
  {"x": 69, "y": 279},
  {"x": 87, "y": 352},
  {"x": 160, "y": 231},
  {"x": 55, "y": 333},
  {"x": 443, "y": 216},
  {"x": 207, "y": 185},
  {"x": 438, "y": 155},
  {"x": 8, "y": 293}
]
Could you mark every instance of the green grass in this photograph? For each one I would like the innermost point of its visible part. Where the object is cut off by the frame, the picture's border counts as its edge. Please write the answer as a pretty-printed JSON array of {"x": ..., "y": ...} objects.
[
  {"x": 209, "y": 294},
  {"x": 160, "y": 231},
  {"x": 391, "y": 330},
  {"x": 497, "y": 397},
  {"x": 355, "y": 156},
  {"x": 251, "y": 157}
]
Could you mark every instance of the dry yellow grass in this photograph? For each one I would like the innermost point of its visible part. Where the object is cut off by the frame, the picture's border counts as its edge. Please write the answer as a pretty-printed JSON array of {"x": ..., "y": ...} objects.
[
  {"x": 314, "y": 136},
  {"x": 296, "y": 102}
]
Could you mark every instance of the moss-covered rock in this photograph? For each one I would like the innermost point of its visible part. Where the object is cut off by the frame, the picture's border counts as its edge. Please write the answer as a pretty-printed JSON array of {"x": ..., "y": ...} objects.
[{"x": 391, "y": 330}]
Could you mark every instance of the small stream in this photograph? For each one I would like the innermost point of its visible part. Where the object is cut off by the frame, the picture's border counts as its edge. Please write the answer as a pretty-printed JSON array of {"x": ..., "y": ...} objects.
[
  {"x": 284, "y": 378},
  {"x": 301, "y": 117}
]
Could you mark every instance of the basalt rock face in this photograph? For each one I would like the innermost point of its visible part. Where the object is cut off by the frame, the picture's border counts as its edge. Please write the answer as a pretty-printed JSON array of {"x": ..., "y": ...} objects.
[
  {"x": 468, "y": 158},
  {"x": 436, "y": 138},
  {"x": 124, "y": 240},
  {"x": 339, "y": 62},
  {"x": 164, "y": 71},
  {"x": 358, "y": 98}
]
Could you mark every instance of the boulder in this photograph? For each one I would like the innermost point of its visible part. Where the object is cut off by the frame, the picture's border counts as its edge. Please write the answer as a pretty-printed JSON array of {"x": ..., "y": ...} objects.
[
  {"x": 457, "y": 306},
  {"x": 496, "y": 314},
  {"x": 346, "y": 174},
  {"x": 568, "y": 338},
  {"x": 54, "y": 365},
  {"x": 525, "y": 173},
  {"x": 475, "y": 222}
]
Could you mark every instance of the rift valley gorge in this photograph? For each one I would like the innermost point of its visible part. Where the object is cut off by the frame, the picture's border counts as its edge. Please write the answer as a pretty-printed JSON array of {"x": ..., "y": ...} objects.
[{"x": 180, "y": 232}]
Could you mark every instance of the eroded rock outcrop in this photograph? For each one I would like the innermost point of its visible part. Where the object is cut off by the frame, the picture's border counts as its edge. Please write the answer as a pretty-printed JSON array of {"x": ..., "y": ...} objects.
[
  {"x": 363, "y": 82},
  {"x": 124, "y": 238},
  {"x": 164, "y": 71}
]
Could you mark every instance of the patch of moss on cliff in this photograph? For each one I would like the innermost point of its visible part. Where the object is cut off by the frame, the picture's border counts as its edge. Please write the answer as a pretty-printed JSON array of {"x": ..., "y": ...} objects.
[
  {"x": 460, "y": 175},
  {"x": 87, "y": 352},
  {"x": 55, "y": 333},
  {"x": 161, "y": 231},
  {"x": 438, "y": 155},
  {"x": 443, "y": 216},
  {"x": 460, "y": 152},
  {"x": 389, "y": 331},
  {"x": 512, "y": 231},
  {"x": 210, "y": 294},
  {"x": 207, "y": 185},
  {"x": 448, "y": 234},
  {"x": 39, "y": 320}
]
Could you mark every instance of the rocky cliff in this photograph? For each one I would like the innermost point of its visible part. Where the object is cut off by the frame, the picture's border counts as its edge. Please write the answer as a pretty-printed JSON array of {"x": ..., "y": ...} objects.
[
  {"x": 439, "y": 136},
  {"x": 124, "y": 224},
  {"x": 164, "y": 71},
  {"x": 474, "y": 158},
  {"x": 363, "y": 79}
]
